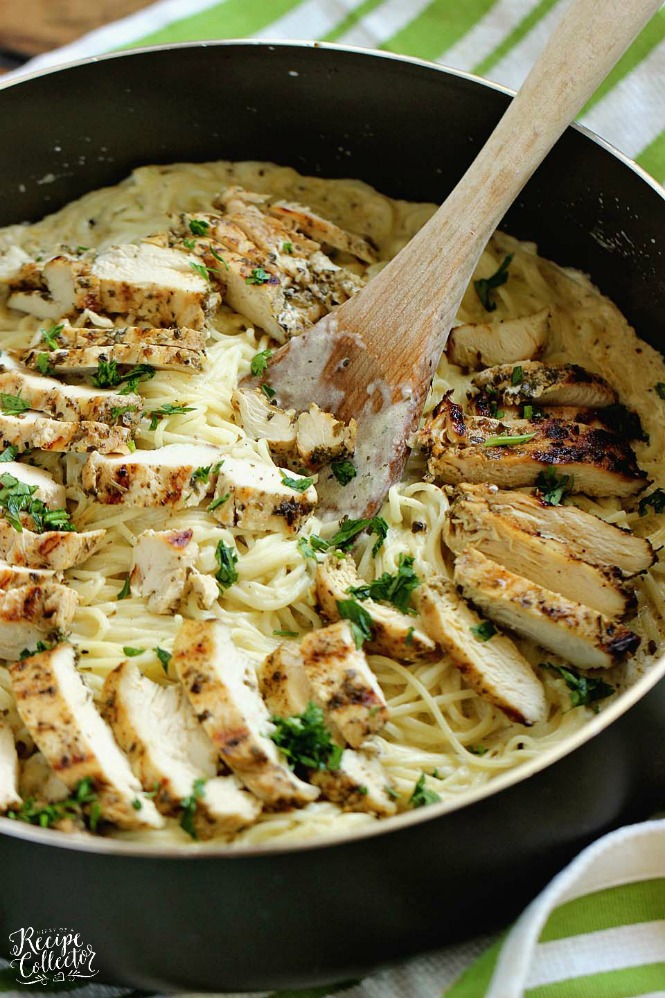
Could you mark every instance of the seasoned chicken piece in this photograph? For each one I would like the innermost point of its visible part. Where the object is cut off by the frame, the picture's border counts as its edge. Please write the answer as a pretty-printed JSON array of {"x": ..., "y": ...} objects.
[
  {"x": 476, "y": 345},
  {"x": 258, "y": 497},
  {"x": 55, "y": 549},
  {"x": 57, "y": 709},
  {"x": 162, "y": 561},
  {"x": 79, "y": 337},
  {"x": 12, "y": 576},
  {"x": 493, "y": 667},
  {"x": 283, "y": 681},
  {"x": 73, "y": 403},
  {"x": 484, "y": 405},
  {"x": 161, "y": 477},
  {"x": 39, "y": 781},
  {"x": 323, "y": 230},
  {"x": 31, "y": 431},
  {"x": 543, "y": 559},
  {"x": 261, "y": 420},
  {"x": 395, "y": 634},
  {"x": 204, "y": 589},
  {"x": 463, "y": 448},
  {"x": 31, "y": 613},
  {"x": 360, "y": 784},
  {"x": 342, "y": 683},
  {"x": 9, "y": 771},
  {"x": 169, "y": 752},
  {"x": 588, "y": 537},
  {"x": 579, "y": 634},
  {"x": 321, "y": 438},
  {"x": 152, "y": 283},
  {"x": 81, "y": 359},
  {"x": 219, "y": 682},
  {"x": 533, "y": 381},
  {"x": 51, "y": 493}
]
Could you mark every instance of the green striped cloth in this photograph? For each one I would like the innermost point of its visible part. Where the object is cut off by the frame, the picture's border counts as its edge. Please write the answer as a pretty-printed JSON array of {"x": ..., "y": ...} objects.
[{"x": 598, "y": 930}]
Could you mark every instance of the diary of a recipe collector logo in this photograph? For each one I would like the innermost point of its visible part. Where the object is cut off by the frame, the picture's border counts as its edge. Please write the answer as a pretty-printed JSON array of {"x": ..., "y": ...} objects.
[{"x": 45, "y": 956}]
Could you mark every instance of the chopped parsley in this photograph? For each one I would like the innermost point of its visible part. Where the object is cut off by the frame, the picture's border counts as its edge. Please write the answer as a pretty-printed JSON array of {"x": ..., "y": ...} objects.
[
  {"x": 201, "y": 270},
  {"x": 219, "y": 501},
  {"x": 189, "y": 806},
  {"x": 358, "y": 618},
  {"x": 285, "y": 634},
  {"x": 227, "y": 559},
  {"x": 268, "y": 391},
  {"x": 164, "y": 657},
  {"x": 12, "y": 404},
  {"x": 584, "y": 690},
  {"x": 422, "y": 795},
  {"x": 259, "y": 276},
  {"x": 156, "y": 415},
  {"x": 660, "y": 388},
  {"x": 118, "y": 411},
  {"x": 142, "y": 372},
  {"x": 478, "y": 749},
  {"x": 52, "y": 335},
  {"x": 9, "y": 454},
  {"x": 306, "y": 741},
  {"x": 108, "y": 376},
  {"x": 218, "y": 257},
  {"x": 506, "y": 440},
  {"x": 553, "y": 488},
  {"x": 201, "y": 475},
  {"x": 297, "y": 484},
  {"x": 198, "y": 226},
  {"x": 43, "y": 364},
  {"x": 41, "y": 646},
  {"x": 655, "y": 499},
  {"x": 395, "y": 589},
  {"x": 310, "y": 546},
  {"x": 349, "y": 530},
  {"x": 189, "y": 244},
  {"x": 125, "y": 591},
  {"x": 484, "y": 631},
  {"x": 486, "y": 285},
  {"x": 517, "y": 376},
  {"x": 287, "y": 248},
  {"x": 260, "y": 362},
  {"x": 344, "y": 471},
  {"x": 527, "y": 412},
  {"x": 82, "y": 804},
  {"x": 16, "y": 497},
  {"x": 132, "y": 652},
  {"x": 495, "y": 412}
]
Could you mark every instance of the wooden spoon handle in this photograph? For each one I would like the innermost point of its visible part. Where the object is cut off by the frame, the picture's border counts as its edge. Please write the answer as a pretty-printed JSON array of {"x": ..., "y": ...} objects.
[{"x": 440, "y": 259}]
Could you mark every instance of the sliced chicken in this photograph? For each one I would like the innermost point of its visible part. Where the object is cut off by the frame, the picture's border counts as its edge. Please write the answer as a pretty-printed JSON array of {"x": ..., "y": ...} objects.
[
  {"x": 543, "y": 559},
  {"x": 283, "y": 681},
  {"x": 51, "y": 493},
  {"x": 55, "y": 549},
  {"x": 169, "y": 752},
  {"x": 57, "y": 709},
  {"x": 83, "y": 359},
  {"x": 73, "y": 403},
  {"x": 322, "y": 230},
  {"x": 162, "y": 477},
  {"x": 149, "y": 282},
  {"x": 463, "y": 448},
  {"x": 12, "y": 576},
  {"x": 79, "y": 337},
  {"x": 476, "y": 345},
  {"x": 162, "y": 561},
  {"x": 39, "y": 781},
  {"x": 360, "y": 784},
  {"x": 9, "y": 770},
  {"x": 33, "y": 612},
  {"x": 261, "y": 420},
  {"x": 342, "y": 683},
  {"x": 484, "y": 405},
  {"x": 577, "y": 633},
  {"x": 395, "y": 634},
  {"x": 494, "y": 668},
  {"x": 221, "y": 687},
  {"x": 31, "y": 431},
  {"x": 321, "y": 438},
  {"x": 204, "y": 588},
  {"x": 533, "y": 381},
  {"x": 259, "y": 497},
  {"x": 590, "y": 538}
]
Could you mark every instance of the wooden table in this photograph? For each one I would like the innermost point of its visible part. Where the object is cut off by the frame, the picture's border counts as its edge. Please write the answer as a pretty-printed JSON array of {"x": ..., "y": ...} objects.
[{"x": 28, "y": 27}]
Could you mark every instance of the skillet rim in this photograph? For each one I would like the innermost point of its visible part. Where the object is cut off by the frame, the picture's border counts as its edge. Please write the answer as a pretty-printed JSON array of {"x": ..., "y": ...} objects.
[{"x": 80, "y": 842}]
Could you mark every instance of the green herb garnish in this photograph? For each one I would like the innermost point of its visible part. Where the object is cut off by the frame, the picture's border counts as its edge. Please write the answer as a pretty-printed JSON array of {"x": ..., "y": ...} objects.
[
  {"x": 83, "y": 804},
  {"x": 260, "y": 362},
  {"x": 506, "y": 440},
  {"x": 201, "y": 270},
  {"x": 517, "y": 376},
  {"x": 43, "y": 364},
  {"x": 118, "y": 411},
  {"x": 142, "y": 372},
  {"x": 218, "y": 257},
  {"x": 395, "y": 589},
  {"x": 553, "y": 488},
  {"x": 306, "y": 741},
  {"x": 132, "y": 652},
  {"x": 108, "y": 376},
  {"x": 198, "y": 226},
  {"x": 201, "y": 475},
  {"x": 258, "y": 276},
  {"x": 219, "y": 501},
  {"x": 41, "y": 646},
  {"x": 358, "y": 618},
  {"x": 484, "y": 631},
  {"x": 12, "y": 404},
  {"x": 52, "y": 335},
  {"x": 287, "y": 248},
  {"x": 422, "y": 795},
  {"x": 485, "y": 285},
  {"x": 584, "y": 690},
  {"x": 9, "y": 454},
  {"x": 268, "y": 391},
  {"x": 16, "y": 497},
  {"x": 285, "y": 634},
  {"x": 164, "y": 657},
  {"x": 227, "y": 559},
  {"x": 189, "y": 244},
  {"x": 189, "y": 806},
  {"x": 349, "y": 530},
  {"x": 126, "y": 589},
  {"x": 156, "y": 415},
  {"x": 478, "y": 749},
  {"x": 655, "y": 499},
  {"x": 344, "y": 471},
  {"x": 310, "y": 546},
  {"x": 297, "y": 484}
]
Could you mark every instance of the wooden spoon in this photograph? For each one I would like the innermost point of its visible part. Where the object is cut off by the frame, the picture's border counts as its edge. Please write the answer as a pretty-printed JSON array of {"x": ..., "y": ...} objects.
[{"x": 373, "y": 358}]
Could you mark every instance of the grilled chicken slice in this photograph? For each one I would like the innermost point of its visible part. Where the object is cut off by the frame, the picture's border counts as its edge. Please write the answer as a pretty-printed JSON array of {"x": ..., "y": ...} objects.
[
  {"x": 321, "y": 438},
  {"x": 484, "y": 405},
  {"x": 51, "y": 493},
  {"x": 342, "y": 683},
  {"x": 577, "y": 633},
  {"x": 57, "y": 709},
  {"x": 494, "y": 668},
  {"x": 32, "y": 431},
  {"x": 162, "y": 561},
  {"x": 258, "y": 497},
  {"x": 476, "y": 345},
  {"x": 72, "y": 403},
  {"x": 283, "y": 681},
  {"x": 9, "y": 771},
  {"x": 30, "y": 613},
  {"x": 55, "y": 549},
  {"x": 360, "y": 784},
  {"x": 303, "y": 219},
  {"x": 83, "y": 359},
  {"x": 204, "y": 588},
  {"x": 588, "y": 537},
  {"x": 395, "y": 634},
  {"x": 261, "y": 420},
  {"x": 169, "y": 752},
  {"x": 462, "y": 448},
  {"x": 80, "y": 337},
  {"x": 162, "y": 477},
  {"x": 219, "y": 682},
  {"x": 544, "y": 559},
  {"x": 545, "y": 384},
  {"x": 149, "y": 282},
  {"x": 12, "y": 576}
]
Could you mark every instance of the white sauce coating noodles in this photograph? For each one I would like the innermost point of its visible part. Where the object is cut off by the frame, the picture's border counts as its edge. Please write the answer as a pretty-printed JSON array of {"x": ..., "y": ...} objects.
[{"x": 435, "y": 719}]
